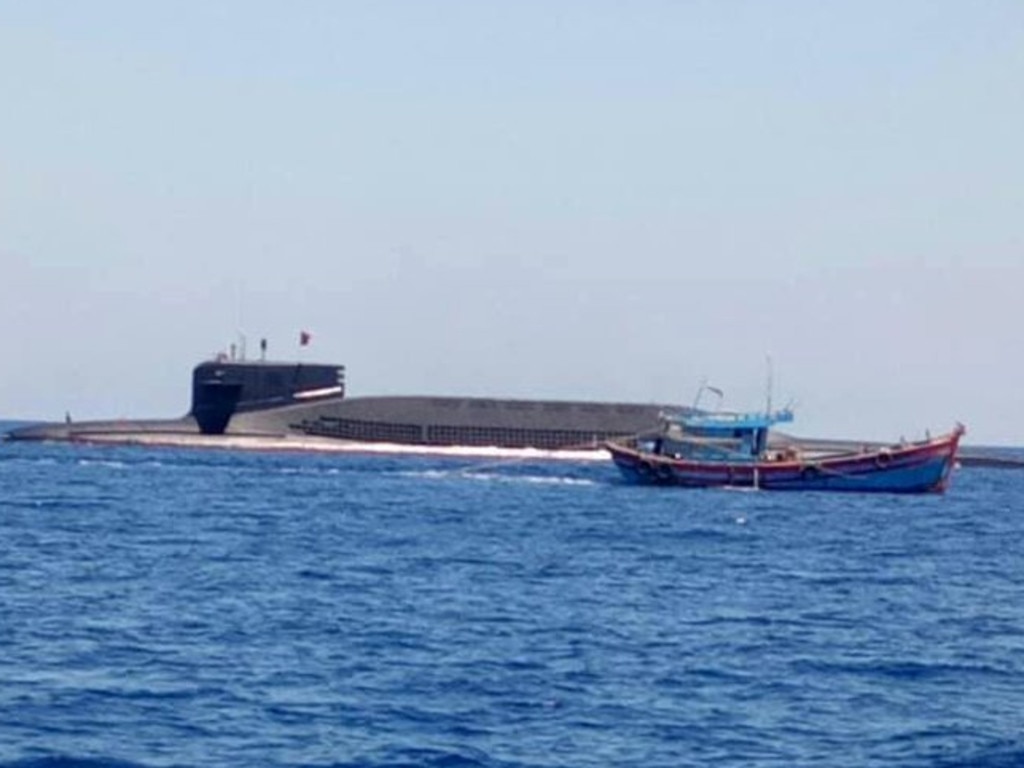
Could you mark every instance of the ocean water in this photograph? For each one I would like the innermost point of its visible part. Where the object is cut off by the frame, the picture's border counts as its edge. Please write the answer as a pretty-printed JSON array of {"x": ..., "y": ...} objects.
[{"x": 172, "y": 607}]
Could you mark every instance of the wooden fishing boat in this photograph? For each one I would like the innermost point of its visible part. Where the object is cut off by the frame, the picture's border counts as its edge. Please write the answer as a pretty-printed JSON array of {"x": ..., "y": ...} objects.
[{"x": 734, "y": 450}]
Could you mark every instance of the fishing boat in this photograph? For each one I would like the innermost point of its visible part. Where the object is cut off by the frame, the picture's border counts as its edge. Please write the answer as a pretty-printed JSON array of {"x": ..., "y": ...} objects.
[{"x": 729, "y": 449}]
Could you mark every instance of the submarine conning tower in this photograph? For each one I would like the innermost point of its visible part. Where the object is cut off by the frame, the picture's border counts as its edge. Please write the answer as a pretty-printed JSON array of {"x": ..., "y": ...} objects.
[{"x": 222, "y": 388}]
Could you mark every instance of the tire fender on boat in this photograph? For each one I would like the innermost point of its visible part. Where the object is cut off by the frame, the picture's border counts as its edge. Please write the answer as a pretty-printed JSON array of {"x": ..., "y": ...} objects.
[{"x": 883, "y": 459}]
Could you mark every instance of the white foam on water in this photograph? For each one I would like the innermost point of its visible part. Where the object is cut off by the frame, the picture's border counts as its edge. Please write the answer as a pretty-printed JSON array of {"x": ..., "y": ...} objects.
[
  {"x": 328, "y": 445},
  {"x": 44, "y": 462},
  {"x": 532, "y": 479},
  {"x": 102, "y": 463},
  {"x": 308, "y": 471},
  {"x": 495, "y": 477},
  {"x": 431, "y": 474}
]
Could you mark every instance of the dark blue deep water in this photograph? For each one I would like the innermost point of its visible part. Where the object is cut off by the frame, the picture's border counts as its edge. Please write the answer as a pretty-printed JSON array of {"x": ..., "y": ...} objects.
[{"x": 164, "y": 607}]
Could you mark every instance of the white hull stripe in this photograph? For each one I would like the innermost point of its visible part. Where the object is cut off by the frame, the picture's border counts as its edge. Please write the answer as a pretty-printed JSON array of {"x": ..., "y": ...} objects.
[{"x": 317, "y": 393}]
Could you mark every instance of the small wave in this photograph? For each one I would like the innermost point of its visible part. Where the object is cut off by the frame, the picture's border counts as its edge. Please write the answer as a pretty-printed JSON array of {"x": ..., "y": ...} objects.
[
  {"x": 68, "y": 761},
  {"x": 429, "y": 474},
  {"x": 1008, "y": 754},
  {"x": 427, "y": 758},
  {"x": 45, "y": 461},
  {"x": 902, "y": 670},
  {"x": 497, "y": 477},
  {"x": 61, "y": 505},
  {"x": 530, "y": 479},
  {"x": 309, "y": 471},
  {"x": 109, "y": 463}
]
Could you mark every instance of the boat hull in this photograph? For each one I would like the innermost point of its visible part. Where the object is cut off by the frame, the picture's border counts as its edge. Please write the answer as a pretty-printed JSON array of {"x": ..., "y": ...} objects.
[{"x": 916, "y": 468}]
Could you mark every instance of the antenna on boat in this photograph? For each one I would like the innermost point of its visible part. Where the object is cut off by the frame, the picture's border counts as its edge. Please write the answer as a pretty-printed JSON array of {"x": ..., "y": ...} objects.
[
  {"x": 713, "y": 390},
  {"x": 768, "y": 385}
]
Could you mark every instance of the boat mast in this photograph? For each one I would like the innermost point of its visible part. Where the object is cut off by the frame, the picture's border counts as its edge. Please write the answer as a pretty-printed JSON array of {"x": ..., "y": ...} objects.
[
  {"x": 700, "y": 391},
  {"x": 238, "y": 321}
]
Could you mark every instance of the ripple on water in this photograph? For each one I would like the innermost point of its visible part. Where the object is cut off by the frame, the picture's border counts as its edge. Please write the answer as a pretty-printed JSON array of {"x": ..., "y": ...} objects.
[{"x": 172, "y": 607}]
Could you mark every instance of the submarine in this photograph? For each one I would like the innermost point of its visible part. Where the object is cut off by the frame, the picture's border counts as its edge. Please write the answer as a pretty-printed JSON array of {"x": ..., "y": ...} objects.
[
  {"x": 304, "y": 406},
  {"x": 238, "y": 398}
]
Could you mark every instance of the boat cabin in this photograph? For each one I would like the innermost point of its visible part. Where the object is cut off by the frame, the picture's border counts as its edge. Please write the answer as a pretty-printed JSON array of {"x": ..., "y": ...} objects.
[{"x": 718, "y": 436}]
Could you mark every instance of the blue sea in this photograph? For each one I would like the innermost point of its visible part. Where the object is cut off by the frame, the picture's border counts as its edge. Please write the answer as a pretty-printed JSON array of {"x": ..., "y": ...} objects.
[{"x": 189, "y": 607}]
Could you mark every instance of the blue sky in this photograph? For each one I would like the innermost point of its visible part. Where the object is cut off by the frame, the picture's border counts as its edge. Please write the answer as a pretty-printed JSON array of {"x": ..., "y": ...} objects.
[{"x": 599, "y": 200}]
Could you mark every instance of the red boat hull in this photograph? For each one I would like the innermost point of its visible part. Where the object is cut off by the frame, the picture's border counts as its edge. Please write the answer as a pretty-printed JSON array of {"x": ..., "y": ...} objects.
[{"x": 922, "y": 467}]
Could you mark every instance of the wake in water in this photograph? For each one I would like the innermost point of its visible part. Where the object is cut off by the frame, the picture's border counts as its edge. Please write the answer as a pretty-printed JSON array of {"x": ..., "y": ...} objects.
[
  {"x": 303, "y": 444},
  {"x": 106, "y": 463},
  {"x": 495, "y": 477}
]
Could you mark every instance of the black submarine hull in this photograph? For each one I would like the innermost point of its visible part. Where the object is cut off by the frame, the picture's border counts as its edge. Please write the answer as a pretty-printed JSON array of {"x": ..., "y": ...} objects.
[{"x": 268, "y": 399}]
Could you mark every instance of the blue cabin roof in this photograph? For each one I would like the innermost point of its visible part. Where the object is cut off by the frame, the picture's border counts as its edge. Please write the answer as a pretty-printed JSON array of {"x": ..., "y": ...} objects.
[{"x": 732, "y": 422}]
